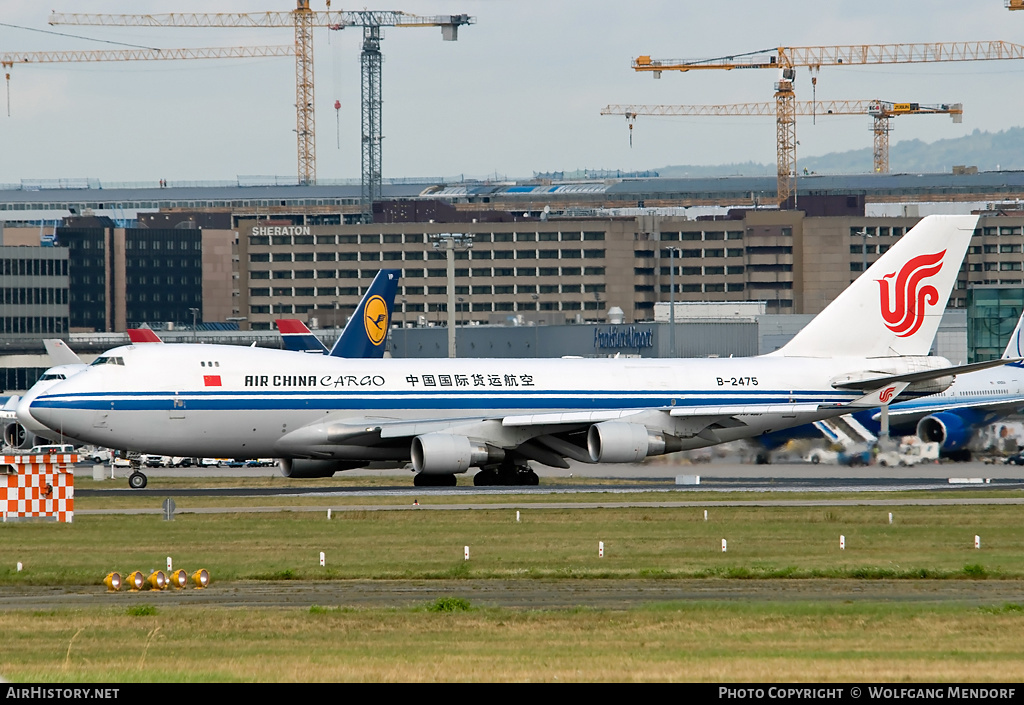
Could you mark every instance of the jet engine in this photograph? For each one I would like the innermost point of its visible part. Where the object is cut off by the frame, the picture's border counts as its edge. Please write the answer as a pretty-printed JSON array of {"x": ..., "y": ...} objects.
[
  {"x": 18, "y": 437},
  {"x": 444, "y": 454},
  {"x": 304, "y": 469},
  {"x": 618, "y": 442},
  {"x": 947, "y": 429}
]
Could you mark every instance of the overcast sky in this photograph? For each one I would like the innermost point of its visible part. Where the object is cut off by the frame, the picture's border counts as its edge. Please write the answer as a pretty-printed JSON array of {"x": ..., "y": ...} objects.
[{"x": 520, "y": 91}]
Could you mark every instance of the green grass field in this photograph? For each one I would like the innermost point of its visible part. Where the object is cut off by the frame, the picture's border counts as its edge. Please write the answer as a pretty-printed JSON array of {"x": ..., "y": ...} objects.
[{"x": 879, "y": 639}]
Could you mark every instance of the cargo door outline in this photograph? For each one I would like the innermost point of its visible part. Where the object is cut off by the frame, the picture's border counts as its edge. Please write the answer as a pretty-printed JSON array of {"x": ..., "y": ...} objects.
[{"x": 177, "y": 411}]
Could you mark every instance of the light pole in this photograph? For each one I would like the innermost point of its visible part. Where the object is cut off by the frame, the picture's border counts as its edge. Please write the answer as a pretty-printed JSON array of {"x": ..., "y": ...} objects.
[
  {"x": 195, "y": 335},
  {"x": 864, "y": 234},
  {"x": 672, "y": 302},
  {"x": 449, "y": 242}
]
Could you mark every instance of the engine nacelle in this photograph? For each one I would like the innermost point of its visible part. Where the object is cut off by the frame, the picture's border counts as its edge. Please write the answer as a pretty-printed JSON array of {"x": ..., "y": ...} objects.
[
  {"x": 444, "y": 453},
  {"x": 618, "y": 442},
  {"x": 303, "y": 468},
  {"x": 930, "y": 386},
  {"x": 945, "y": 428},
  {"x": 20, "y": 438}
]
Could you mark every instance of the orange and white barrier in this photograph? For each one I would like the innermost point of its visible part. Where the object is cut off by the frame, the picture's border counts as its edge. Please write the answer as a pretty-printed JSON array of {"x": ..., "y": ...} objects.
[{"x": 37, "y": 486}]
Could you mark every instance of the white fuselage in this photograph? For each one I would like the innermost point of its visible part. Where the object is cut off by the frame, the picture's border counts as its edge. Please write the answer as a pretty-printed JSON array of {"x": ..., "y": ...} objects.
[{"x": 226, "y": 401}]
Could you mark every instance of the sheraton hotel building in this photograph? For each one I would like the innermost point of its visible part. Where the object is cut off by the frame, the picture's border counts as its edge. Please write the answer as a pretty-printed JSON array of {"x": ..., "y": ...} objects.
[{"x": 84, "y": 257}]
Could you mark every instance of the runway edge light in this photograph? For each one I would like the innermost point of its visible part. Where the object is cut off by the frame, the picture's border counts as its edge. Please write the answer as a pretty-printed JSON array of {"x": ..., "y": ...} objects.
[
  {"x": 201, "y": 578},
  {"x": 158, "y": 580},
  {"x": 179, "y": 579},
  {"x": 113, "y": 581},
  {"x": 136, "y": 580}
]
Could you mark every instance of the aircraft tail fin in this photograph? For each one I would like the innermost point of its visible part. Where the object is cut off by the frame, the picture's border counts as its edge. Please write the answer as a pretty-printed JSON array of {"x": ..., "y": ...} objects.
[
  {"x": 894, "y": 308},
  {"x": 1015, "y": 348},
  {"x": 298, "y": 338},
  {"x": 60, "y": 353},
  {"x": 143, "y": 335},
  {"x": 366, "y": 334}
]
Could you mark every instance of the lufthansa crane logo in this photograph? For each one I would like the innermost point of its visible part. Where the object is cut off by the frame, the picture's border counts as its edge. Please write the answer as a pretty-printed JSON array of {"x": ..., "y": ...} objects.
[
  {"x": 904, "y": 308},
  {"x": 375, "y": 319}
]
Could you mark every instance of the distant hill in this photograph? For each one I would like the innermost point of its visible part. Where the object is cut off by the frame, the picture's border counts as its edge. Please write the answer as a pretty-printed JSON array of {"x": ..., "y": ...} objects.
[{"x": 986, "y": 150}]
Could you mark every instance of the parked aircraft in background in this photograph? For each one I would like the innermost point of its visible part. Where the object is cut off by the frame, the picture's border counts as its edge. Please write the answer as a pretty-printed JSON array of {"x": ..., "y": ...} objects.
[
  {"x": 143, "y": 335},
  {"x": 366, "y": 333},
  {"x": 21, "y": 430},
  {"x": 950, "y": 418},
  {"x": 321, "y": 414}
]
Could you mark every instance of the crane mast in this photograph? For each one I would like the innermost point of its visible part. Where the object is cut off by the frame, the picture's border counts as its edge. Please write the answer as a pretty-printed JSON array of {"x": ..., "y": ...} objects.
[{"x": 786, "y": 59}]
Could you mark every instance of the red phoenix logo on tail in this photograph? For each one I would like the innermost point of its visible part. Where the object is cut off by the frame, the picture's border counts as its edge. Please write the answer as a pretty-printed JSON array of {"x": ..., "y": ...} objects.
[{"x": 904, "y": 312}]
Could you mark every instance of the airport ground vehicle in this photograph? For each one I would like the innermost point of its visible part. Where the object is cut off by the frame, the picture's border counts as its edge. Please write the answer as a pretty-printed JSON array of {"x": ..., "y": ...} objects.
[{"x": 64, "y": 449}]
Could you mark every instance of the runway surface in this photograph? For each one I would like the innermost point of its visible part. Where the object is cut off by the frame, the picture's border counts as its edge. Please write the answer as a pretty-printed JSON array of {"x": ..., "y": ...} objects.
[
  {"x": 645, "y": 485},
  {"x": 519, "y": 594}
]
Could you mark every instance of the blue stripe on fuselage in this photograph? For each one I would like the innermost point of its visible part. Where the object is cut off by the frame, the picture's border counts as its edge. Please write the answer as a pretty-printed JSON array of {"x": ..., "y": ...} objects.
[{"x": 418, "y": 399}]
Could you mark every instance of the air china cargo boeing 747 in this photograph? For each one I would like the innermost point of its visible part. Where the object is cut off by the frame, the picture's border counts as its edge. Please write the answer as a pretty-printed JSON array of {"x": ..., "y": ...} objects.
[{"x": 321, "y": 414}]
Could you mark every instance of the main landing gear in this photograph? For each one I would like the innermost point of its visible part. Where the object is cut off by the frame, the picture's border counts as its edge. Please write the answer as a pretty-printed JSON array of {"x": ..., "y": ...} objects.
[
  {"x": 425, "y": 480},
  {"x": 508, "y": 473},
  {"x": 137, "y": 480}
]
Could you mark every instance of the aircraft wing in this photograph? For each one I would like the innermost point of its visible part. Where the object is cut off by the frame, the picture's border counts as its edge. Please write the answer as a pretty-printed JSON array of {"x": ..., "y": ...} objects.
[
  {"x": 1004, "y": 405},
  {"x": 547, "y": 437}
]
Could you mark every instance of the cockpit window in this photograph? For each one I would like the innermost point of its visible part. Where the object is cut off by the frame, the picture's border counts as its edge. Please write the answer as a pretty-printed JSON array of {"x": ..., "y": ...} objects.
[
  {"x": 52, "y": 375},
  {"x": 104, "y": 360}
]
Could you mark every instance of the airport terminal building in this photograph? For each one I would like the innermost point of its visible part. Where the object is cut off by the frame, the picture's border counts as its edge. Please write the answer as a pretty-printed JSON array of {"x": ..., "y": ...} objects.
[{"x": 554, "y": 254}]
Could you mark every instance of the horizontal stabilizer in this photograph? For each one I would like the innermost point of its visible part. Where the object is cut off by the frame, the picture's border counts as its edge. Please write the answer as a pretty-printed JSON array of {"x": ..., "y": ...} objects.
[{"x": 911, "y": 377}]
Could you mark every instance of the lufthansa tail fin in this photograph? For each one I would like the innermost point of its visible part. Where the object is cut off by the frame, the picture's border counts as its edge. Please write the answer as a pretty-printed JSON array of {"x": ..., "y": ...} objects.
[
  {"x": 366, "y": 334},
  {"x": 893, "y": 308},
  {"x": 143, "y": 335},
  {"x": 298, "y": 338},
  {"x": 60, "y": 353}
]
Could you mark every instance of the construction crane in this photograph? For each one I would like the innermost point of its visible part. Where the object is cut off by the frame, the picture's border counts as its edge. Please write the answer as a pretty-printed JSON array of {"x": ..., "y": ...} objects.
[
  {"x": 303, "y": 20},
  {"x": 881, "y": 110},
  {"x": 786, "y": 59},
  {"x": 11, "y": 58}
]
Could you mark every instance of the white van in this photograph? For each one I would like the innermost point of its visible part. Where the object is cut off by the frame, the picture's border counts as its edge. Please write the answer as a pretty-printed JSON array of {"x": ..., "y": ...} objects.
[{"x": 52, "y": 450}]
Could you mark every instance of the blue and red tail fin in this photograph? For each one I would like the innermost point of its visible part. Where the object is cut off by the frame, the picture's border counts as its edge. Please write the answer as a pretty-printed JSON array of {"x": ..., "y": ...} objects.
[
  {"x": 143, "y": 335},
  {"x": 366, "y": 334},
  {"x": 298, "y": 338}
]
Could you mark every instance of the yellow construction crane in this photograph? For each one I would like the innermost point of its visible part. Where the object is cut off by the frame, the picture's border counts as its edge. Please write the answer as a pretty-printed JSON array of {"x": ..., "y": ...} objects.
[
  {"x": 11, "y": 58},
  {"x": 881, "y": 110},
  {"x": 303, "y": 20},
  {"x": 786, "y": 59}
]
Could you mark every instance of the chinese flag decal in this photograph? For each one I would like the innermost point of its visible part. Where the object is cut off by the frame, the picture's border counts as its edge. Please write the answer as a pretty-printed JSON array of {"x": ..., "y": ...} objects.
[{"x": 211, "y": 380}]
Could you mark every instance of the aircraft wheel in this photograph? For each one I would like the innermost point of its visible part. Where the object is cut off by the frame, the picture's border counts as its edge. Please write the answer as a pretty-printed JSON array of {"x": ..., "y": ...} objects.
[
  {"x": 425, "y": 480},
  {"x": 485, "y": 478},
  {"x": 815, "y": 460},
  {"x": 529, "y": 478},
  {"x": 136, "y": 480}
]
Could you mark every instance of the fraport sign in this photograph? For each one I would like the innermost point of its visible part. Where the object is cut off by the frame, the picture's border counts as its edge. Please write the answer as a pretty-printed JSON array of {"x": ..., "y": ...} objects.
[{"x": 629, "y": 337}]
